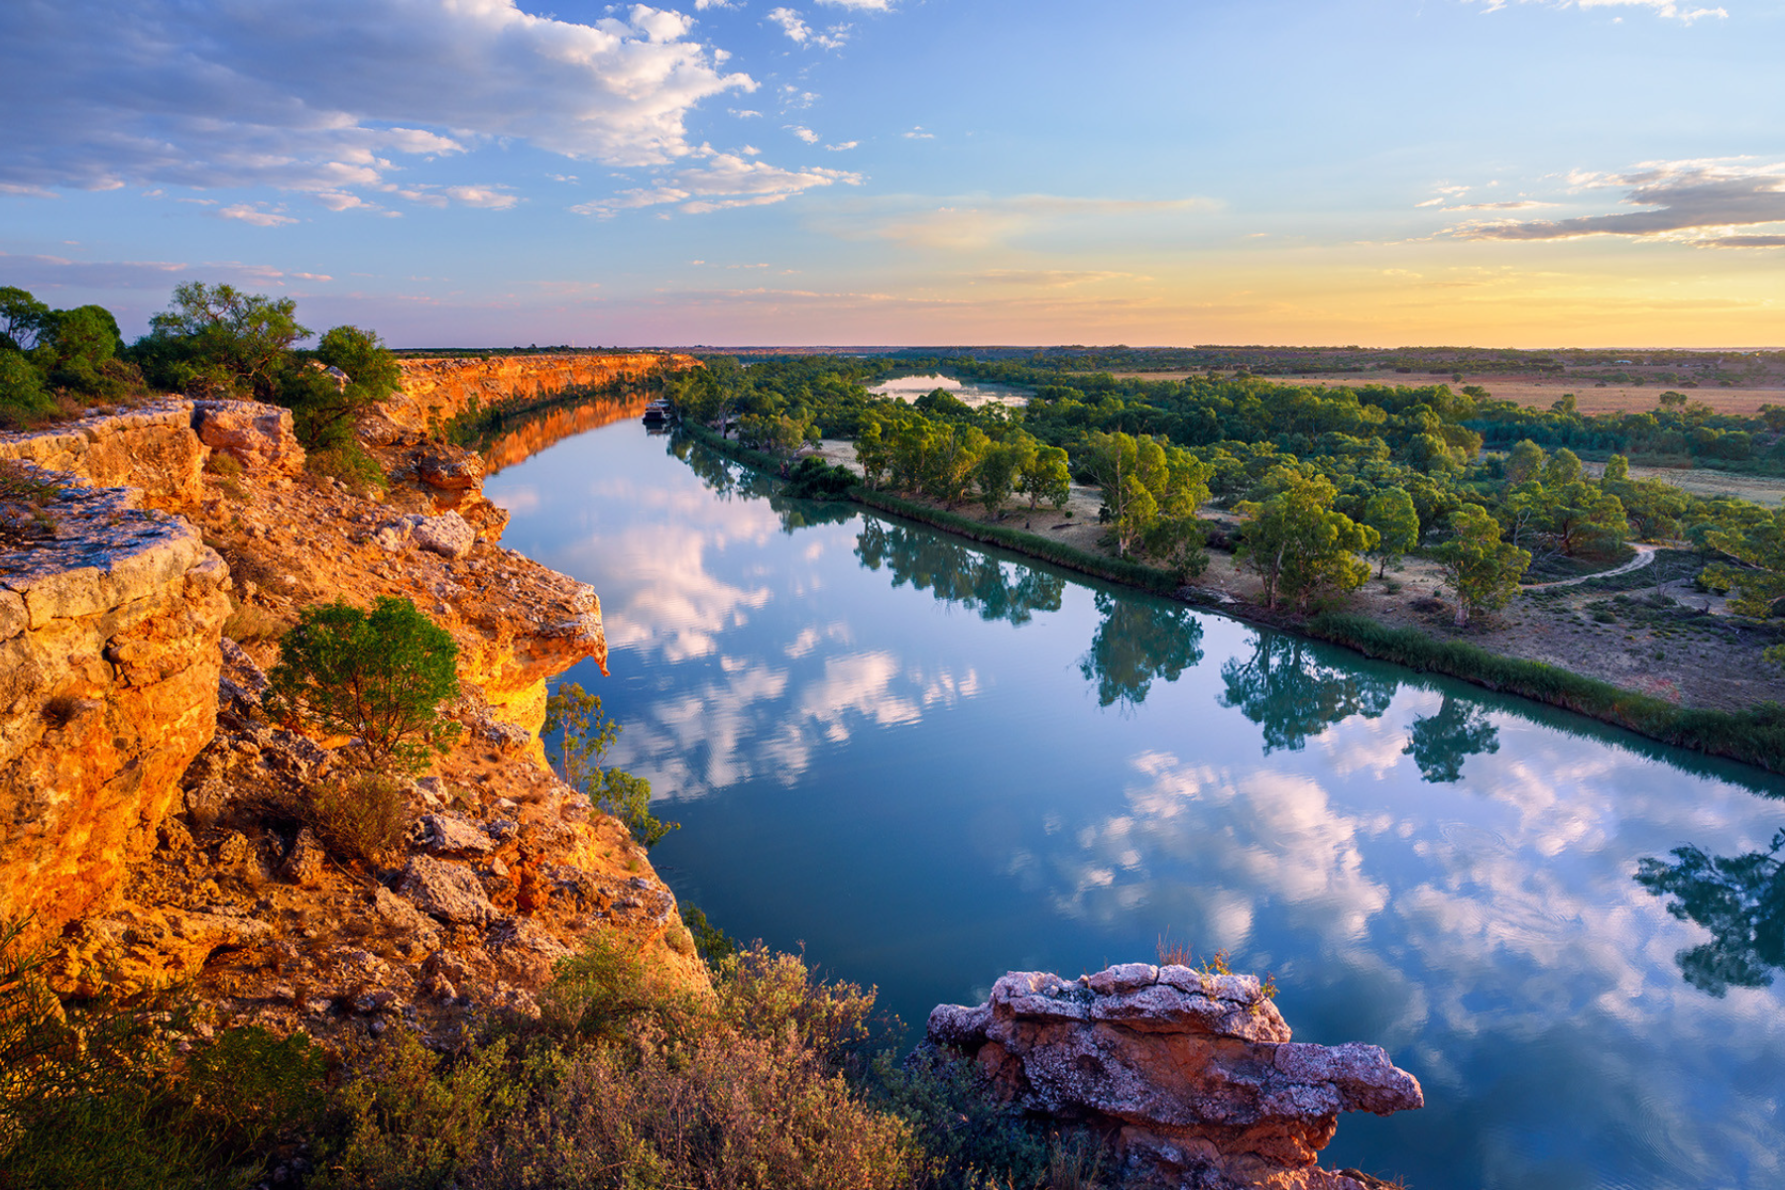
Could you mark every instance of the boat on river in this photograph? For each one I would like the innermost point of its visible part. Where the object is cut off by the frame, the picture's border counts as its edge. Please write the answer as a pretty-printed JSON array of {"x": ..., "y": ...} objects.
[{"x": 659, "y": 413}]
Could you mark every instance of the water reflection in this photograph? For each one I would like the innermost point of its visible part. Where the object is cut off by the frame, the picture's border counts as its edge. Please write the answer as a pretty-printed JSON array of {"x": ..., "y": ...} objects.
[
  {"x": 1440, "y": 743},
  {"x": 956, "y": 574},
  {"x": 1291, "y": 693},
  {"x": 1137, "y": 641},
  {"x": 1740, "y": 899},
  {"x": 927, "y": 800}
]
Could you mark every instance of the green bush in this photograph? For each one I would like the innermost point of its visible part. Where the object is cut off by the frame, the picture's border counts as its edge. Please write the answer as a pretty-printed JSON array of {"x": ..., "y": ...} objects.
[
  {"x": 377, "y": 677},
  {"x": 348, "y": 462}
]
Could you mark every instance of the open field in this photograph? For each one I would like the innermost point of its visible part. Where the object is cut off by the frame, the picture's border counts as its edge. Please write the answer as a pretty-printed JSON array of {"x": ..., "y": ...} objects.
[{"x": 1540, "y": 390}]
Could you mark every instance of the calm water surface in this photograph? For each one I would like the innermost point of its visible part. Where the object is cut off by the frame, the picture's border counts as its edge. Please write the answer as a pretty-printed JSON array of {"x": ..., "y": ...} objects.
[{"x": 930, "y": 765}]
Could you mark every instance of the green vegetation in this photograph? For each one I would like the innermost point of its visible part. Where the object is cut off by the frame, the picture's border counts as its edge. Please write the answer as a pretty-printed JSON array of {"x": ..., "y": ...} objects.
[
  {"x": 379, "y": 678},
  {"x": 624, "y": 1082},
  {"x": 1319, "y": 475},
  {"x": 584, "y": 736},
  {"x": 212, "y": 340}
]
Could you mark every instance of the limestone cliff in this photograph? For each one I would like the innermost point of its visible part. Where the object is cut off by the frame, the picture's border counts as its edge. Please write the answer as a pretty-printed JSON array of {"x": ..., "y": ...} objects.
[
  {"x": 154, "y": 816},
  {"x": 435, "y": 391}
]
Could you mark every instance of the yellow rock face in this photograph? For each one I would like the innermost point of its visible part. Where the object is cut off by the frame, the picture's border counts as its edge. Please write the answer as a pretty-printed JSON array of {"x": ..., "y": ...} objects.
[
  {"x": 108, "y": 683},
  {"x": 437, "y": 390}
]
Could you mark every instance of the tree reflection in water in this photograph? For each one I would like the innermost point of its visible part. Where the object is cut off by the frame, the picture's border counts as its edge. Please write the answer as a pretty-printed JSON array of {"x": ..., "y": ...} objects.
[
  {"x": 956, "y": 574},
  {"x": 1440, "y": 743},
  {"x": 1291, "y": 694},
  {"x": 1138, "y": 641},
  {"x": 1740, "y": 899}
]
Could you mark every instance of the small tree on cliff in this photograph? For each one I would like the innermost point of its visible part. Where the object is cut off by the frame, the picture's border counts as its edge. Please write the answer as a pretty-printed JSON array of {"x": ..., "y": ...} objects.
[
  {"x": 587, "y": 735},
  {"x": 378, "y": 677}
]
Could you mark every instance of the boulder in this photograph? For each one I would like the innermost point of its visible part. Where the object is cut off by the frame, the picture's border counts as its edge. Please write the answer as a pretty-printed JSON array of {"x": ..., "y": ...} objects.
[
  {"x": 257, "y": 436},
  {"x": 447, "y": 534},
  {"x": 141, "y": 949},
  {"x": 1194, "y": 1074},
  {"x": 448, "y": 834},
  {"x": 446, "y": 891}
]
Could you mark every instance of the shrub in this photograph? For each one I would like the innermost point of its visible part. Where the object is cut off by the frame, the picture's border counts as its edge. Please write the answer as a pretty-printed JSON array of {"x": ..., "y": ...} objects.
[
  {"x": 379, "y": 678},
  {"x": 361, "y": 819},
  {"x": 713, "y": 944},
  {"x": 348, "y": 462},
  {"x": 96, "y": 1097}
]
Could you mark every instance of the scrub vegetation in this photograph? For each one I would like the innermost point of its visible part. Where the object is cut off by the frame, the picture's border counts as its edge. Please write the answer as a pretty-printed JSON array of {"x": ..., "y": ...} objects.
[
  {"x": 776, "y": 1080},
  {"x": 211, "y": 341}
]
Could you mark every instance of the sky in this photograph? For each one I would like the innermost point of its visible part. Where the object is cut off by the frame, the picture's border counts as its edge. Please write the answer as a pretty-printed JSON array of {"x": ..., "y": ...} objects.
[{"x": 1531, "y": 173}]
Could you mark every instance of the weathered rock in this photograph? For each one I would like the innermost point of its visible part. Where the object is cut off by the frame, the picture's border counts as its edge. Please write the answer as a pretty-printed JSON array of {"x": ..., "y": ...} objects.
[
  {"x": 139, "y": 949},
  {"x": 151, "y": 450},
  {"x": 304, "y": 862},
  {"x": 447, "y": 891},
  {"x": 524, "y": 951},
  {"x": 256, "y": 436},
  {"x": 110, "y": 683},
  {"x": 447, "y": 534},
  {"x": 435, "y": 391},
  {"x": 448, "y": 834},
  {"x": 1195, "y": 1074}
]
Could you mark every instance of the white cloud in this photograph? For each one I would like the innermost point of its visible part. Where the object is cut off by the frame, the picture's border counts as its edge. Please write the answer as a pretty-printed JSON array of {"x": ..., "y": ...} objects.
[
  {"x": 791, "y": 24},
  {"x": 862, "y": 5},
  {"x": 725, "y": 180},
  {"x": 1721, "y": 203},
  {"x": 1661, "y": 8},
  {"x": 255, "y": 215},
  {"x": 918, "y": 133},
  {"x": 805, "y": 134},
  {"x": 323, "y": 96},
  {"x": 491, "y": 198},
  {"x": 844, "y": 147},
  {"x": 801, "y": 33}
]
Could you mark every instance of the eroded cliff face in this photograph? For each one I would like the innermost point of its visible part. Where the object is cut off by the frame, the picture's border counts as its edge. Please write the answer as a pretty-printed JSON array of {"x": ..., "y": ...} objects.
[
  {"x": 151, "y": 812},
  {"x": 109, "y": 628},
  {"x": 1194, "y": 1075},
  {"x": 437, "y": 390}
]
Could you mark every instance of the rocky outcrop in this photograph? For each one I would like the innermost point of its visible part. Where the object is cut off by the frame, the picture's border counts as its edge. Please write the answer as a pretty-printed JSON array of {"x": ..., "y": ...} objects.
[
  {"x": 1193, "y": 1074},
  {"x": 435, "y": 391},
  {"x": 150, "y": 450},
  {"x": 109, "y": 630}
]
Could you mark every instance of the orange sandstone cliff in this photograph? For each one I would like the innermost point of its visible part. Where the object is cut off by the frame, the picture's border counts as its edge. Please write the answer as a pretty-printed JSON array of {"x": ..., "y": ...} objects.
[
  {"x": 435, "y": 391},
  {"x": 148, "y": 563}
]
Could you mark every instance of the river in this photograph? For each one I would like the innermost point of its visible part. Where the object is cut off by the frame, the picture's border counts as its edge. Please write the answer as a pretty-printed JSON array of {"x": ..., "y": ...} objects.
[{"x": 928, "y": 764}]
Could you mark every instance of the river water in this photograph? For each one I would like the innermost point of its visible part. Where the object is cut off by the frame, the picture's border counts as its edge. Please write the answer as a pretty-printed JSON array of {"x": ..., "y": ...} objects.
[{"x": 930, "y": 764}]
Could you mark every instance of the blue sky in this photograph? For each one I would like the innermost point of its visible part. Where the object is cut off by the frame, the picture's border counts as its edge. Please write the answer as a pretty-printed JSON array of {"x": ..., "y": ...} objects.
[{"x": 473, "y": 172}]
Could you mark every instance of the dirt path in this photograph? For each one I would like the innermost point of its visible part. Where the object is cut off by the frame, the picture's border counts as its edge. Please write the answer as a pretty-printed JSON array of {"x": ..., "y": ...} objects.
[{"x": 1645, "y": 554}]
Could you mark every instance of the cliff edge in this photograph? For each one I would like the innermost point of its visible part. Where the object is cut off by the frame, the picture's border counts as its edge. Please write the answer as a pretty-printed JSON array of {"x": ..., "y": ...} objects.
[{"x": 157, "y": 824}]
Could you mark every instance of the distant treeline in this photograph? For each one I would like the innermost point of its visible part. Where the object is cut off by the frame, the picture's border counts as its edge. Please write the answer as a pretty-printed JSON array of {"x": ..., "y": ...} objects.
[{"x": 1321, "y": 475}]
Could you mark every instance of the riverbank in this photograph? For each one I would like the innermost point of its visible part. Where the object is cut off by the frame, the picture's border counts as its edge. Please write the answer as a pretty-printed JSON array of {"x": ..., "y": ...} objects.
[{"x": 1538, "y": 650}]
